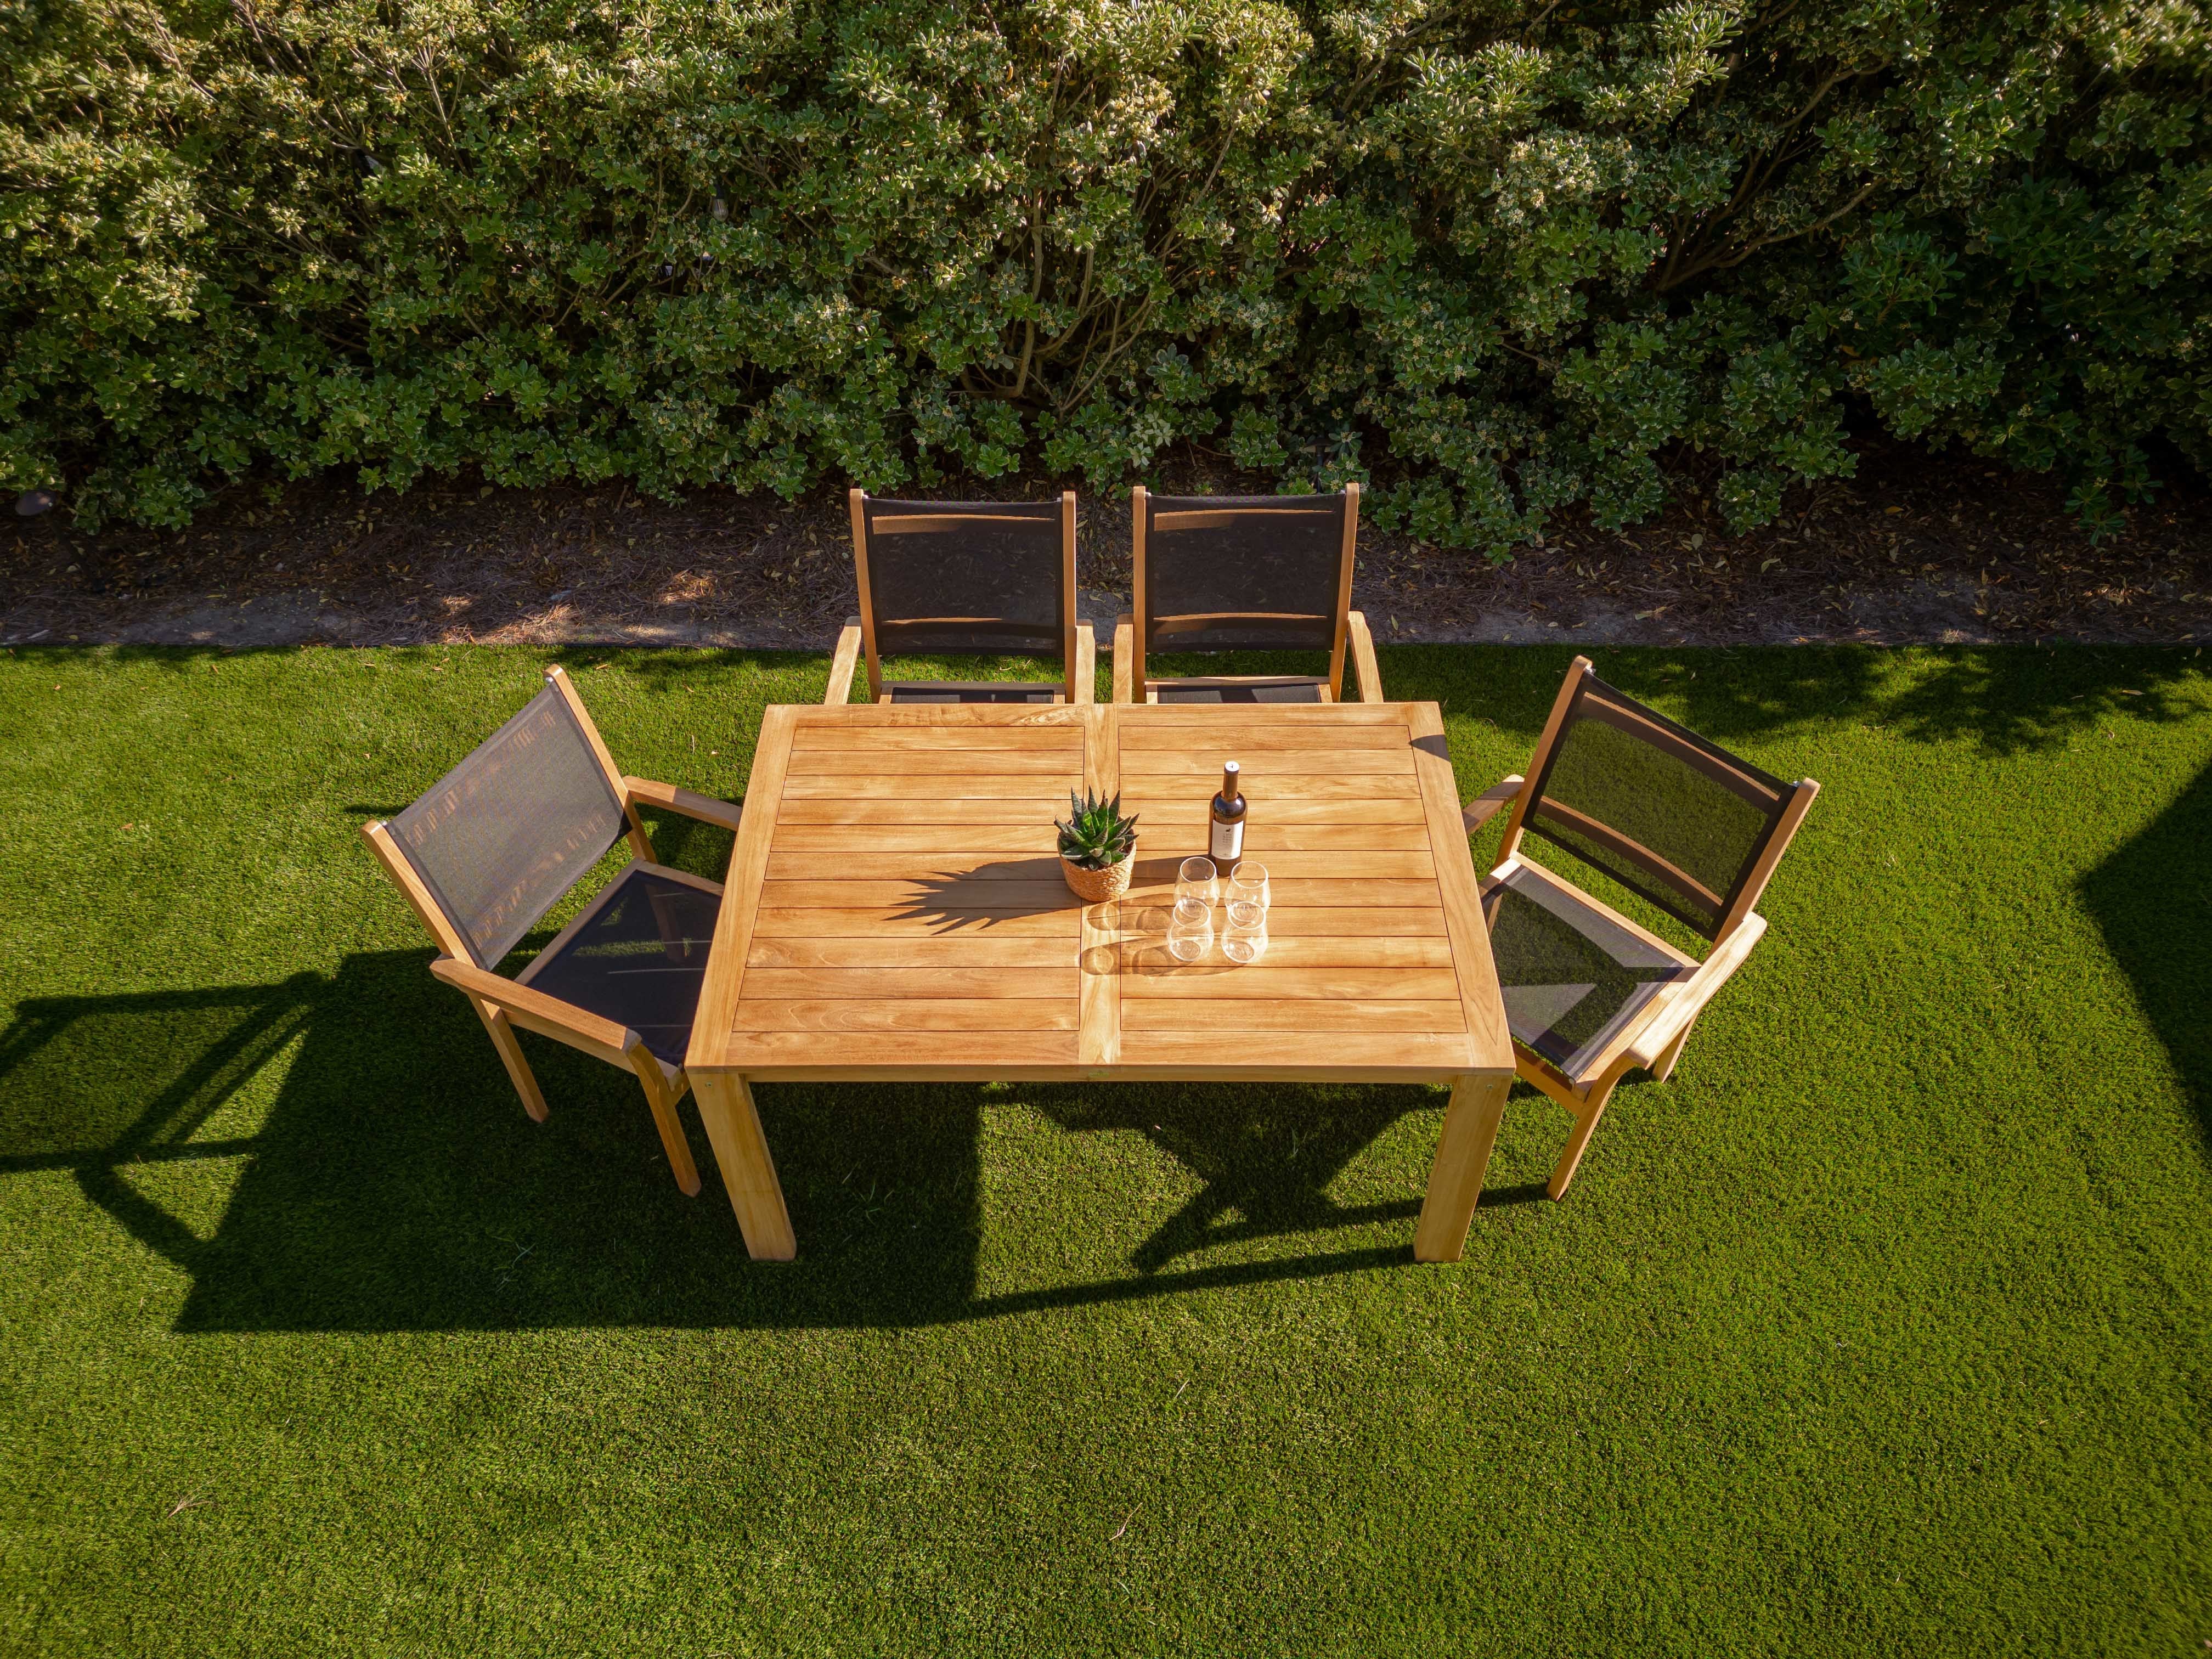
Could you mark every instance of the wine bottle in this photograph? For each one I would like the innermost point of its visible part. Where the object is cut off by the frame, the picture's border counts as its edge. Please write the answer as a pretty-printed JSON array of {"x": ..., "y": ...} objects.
[{"x": 1225, "y": 844}]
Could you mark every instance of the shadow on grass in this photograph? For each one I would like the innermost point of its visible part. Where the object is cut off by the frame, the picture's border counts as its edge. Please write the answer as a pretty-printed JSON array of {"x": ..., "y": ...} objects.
[
  {"x": 2153, "y": 900},
  {"x": 391, "y": 1180},
  {"x": 2006, "y": 700}
]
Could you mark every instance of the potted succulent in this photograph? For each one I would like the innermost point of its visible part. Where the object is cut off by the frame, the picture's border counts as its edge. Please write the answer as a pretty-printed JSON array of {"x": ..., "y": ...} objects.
[{"x": 1095, "y": 847}]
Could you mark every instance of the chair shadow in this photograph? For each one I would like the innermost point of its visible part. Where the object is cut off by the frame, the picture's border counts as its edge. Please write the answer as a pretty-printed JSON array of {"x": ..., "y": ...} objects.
[
  {"x": 391, "y": 1183},
  {"x": 2153, "y": 901}
]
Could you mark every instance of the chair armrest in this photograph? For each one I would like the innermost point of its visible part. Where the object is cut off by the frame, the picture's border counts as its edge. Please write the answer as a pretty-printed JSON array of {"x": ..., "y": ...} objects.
[
  {"x": 669, "y": 798},
  {"x": 1086, "y": 663},
  {"x": 1125, "y": 658},
  {"x": 841, "y": 665},
  {"x": 1696, "y": 991},
  {"x": 548, "y": 1015},
  {"x": 1484, "y": 807},
  {"x": 1363, "y": 657}
]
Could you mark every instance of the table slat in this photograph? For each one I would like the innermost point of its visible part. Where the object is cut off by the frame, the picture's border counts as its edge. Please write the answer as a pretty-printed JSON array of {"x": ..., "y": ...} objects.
[
  {"x": 1285, "y": 763},
  {"x": 842, "y": 984},
  {"x": 1100, "y": 1040},
  {"x": 946, "y": 1013},
  {"x": 964, "y": 786},
  {"x": 1348, "y": 1055},
  {"x": 1149, "y": 914},
  {"x": 927, "y": 897},
  {"x": 901, "y": 1054},
  {"x": 1316, "y": 892},
  {"x": 924, "y": 765},
  {"x": 963, "y": 950},
  {"x": 1244, "y": 1014},
  {"x": 1147, "y": 971}
]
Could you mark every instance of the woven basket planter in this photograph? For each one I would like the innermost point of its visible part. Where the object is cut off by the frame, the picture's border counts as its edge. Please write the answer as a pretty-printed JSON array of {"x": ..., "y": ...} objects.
[{"x": 1096, "y": 886}]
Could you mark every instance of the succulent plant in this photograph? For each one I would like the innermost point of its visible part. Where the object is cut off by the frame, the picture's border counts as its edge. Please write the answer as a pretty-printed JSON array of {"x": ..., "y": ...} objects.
[{"x": 1095, "y": 836}]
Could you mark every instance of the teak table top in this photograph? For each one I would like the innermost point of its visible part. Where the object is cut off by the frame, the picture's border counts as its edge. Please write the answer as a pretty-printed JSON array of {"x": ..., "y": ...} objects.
[{"x": 894, "y": 910}]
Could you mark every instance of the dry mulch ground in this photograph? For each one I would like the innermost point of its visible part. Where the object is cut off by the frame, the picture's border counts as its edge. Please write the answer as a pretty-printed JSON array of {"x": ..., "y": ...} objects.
[{"x": 1917, "y": 549}]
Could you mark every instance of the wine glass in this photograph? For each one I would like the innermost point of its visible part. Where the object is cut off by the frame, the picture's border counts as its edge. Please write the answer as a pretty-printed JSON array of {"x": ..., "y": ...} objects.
[
  {"x": 1244, "y": 939},
  {"x": 1190, "y": 930},
  {"x": 1195, "y": 881},
  {"x": 1247, "y": 885}
]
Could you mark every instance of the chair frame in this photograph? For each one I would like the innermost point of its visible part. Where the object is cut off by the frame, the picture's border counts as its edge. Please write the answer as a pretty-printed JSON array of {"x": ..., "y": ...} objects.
[
  {"x": 857, "y": 643},
  {"x": 1654, "y": 1038},
  {"x": 1351, "y": 638},
  {"x": 505, "y": 1005}
]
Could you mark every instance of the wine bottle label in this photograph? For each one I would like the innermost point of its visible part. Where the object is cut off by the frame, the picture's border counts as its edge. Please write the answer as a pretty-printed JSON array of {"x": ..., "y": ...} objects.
[{"x": 1227, "y": 845}]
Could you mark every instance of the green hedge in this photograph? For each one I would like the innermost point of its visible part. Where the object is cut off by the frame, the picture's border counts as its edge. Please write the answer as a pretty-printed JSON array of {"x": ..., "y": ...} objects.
[{"x": 1502, "y": 257}]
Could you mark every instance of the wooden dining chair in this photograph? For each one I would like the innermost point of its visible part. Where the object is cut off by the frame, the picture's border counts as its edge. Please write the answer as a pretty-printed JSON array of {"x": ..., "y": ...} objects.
[
  {"x": 502, "y": 838},
  {"x": 1683, "y": 824},
  {"x": 967, "y": 579},
  {"x": 1243, "y": 573}
]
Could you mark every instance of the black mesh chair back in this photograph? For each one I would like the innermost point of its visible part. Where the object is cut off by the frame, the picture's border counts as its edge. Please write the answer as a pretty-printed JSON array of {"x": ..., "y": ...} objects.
[
  {"x": 1674, "y": 819},
  {"x": 976, "y": 578},
  {"x": 1244, "y": 573},
  {"x": 514, "y": 827}
]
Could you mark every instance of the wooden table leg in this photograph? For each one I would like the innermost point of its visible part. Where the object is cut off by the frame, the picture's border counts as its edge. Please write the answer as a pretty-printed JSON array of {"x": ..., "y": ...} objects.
[
  {"x": 1478, "y": 1106},
  {"x": 733, "y": 1129}
]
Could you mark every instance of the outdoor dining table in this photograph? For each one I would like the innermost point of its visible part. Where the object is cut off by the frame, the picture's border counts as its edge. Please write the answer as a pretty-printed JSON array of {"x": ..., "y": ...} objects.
[{"x": 894, "y": 911}]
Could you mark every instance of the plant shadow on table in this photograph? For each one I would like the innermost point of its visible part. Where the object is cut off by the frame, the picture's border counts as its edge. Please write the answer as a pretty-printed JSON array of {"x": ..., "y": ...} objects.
[{"x": 386, "y": 1178}]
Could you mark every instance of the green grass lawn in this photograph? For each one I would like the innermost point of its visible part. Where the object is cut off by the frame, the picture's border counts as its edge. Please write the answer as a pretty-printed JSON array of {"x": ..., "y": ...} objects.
[{"x": 1882, "y": 1328}]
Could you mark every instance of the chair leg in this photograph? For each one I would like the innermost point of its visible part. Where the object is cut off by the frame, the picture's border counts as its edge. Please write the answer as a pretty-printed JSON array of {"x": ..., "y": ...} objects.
[
  {"x": 1585, "y": 1126},
  {"x": 510, "y": 1052},
  {"x": 662, "y": 1099}
]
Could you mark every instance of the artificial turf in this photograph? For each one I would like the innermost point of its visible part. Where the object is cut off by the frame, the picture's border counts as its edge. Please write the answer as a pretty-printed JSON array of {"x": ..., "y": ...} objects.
[{"x": 1881, "y": 1328}]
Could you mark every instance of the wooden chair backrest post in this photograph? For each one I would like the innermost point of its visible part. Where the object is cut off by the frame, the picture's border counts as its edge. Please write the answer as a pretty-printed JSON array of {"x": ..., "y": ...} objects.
[
  {"x": 1067, "y": 588},
  {"x": 1747, "y": 901},
  {"x": 641, "y": 843},
  {"x": 1344, "y": 592},
  {"x": 431, "y": 914},
  {"x": 858, "y": 501},
  {"x": 1577, "y": 671},
  {"x": 1139, "y": 607}
]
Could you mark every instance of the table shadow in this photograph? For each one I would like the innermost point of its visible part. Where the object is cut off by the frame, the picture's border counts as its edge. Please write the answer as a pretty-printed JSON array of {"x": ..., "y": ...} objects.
[{"x": 386, "y": 1178}]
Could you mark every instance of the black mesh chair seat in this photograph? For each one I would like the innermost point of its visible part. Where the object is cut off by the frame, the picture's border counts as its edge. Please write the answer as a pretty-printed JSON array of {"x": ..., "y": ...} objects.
[
  {"x": 1292, "y": 690},
  {"x": 1572, "y": 977},
  {"x": 969, "y": 691},
  {"x": 639, "y": 960}
]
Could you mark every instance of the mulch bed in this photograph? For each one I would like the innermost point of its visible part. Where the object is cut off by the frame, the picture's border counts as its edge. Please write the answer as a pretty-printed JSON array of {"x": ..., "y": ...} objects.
[{"x": 1917, "y": 549}]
